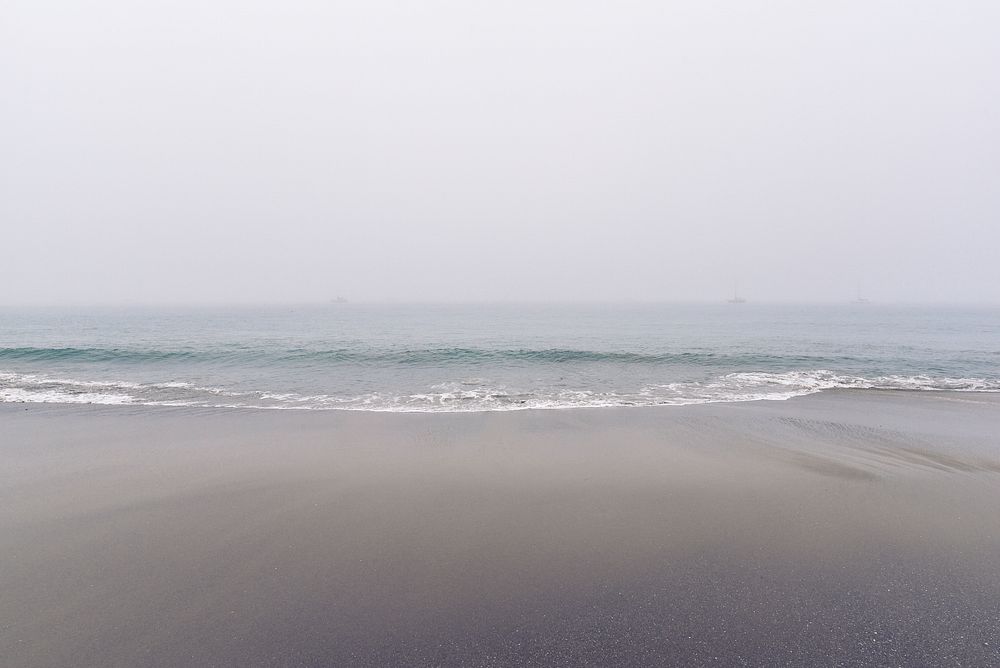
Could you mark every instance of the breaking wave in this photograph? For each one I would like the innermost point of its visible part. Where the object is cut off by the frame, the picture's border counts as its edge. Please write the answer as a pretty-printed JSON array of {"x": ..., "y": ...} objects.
[
  {"x": 403, "y": 356},
  {"x": 475, "y": 394}
]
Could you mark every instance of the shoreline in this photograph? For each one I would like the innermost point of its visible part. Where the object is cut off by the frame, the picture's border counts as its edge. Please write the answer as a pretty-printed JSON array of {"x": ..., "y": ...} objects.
[
  {"x": 834, "y": 528},
  {"x": 983, "y": 395}
]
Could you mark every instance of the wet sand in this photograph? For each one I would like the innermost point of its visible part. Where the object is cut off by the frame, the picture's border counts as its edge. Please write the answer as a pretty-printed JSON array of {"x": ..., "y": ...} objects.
[{"x": 848, "y": 528}]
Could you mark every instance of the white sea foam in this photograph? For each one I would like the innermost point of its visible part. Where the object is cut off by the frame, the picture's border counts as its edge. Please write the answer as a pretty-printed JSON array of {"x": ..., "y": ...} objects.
[
  {"x": 825, "y": 380},
  {"x": 28, "y": 380},
  {"x": 25, "y": 395},
  {"x": 474, "y": 394}
]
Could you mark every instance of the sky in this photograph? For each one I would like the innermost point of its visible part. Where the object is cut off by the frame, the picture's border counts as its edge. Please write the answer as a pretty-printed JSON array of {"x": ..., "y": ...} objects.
[{"x": 187, "y": 151}]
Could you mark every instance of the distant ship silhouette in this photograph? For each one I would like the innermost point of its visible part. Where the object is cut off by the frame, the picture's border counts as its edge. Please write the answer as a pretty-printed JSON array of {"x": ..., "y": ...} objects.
[
  {"x": 339, "y": 300},
  {"x": 736, "y": 297}
]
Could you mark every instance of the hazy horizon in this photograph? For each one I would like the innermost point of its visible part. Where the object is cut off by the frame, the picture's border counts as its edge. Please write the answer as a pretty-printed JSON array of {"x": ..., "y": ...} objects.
[
  {"x": 445, "y": 152},
  {"x": 332, "y": 303}
]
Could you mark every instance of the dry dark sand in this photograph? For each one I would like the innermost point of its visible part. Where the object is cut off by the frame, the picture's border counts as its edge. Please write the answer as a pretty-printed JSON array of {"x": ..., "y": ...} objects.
[{"x": 852, "y": 528}]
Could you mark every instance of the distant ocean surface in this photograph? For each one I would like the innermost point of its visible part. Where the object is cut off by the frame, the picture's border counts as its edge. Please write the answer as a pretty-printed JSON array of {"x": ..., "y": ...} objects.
[{"x": 489, "y": 357}]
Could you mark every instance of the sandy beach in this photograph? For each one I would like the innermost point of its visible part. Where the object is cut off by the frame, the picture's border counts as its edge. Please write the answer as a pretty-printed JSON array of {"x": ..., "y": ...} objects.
[{"x": 846, "y": 528}]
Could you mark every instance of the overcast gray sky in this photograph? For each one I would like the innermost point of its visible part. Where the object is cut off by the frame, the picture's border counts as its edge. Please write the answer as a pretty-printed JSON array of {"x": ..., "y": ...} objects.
[{"x": 240, "y": 150}]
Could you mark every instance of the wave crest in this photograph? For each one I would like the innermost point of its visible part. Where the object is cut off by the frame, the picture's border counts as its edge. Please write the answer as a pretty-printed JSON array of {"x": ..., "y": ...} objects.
[{"x": 433, "y": 356}]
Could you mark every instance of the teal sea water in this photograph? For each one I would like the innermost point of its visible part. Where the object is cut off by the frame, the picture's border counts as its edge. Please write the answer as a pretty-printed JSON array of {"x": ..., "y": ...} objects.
[{"x": 488, "y": 357}]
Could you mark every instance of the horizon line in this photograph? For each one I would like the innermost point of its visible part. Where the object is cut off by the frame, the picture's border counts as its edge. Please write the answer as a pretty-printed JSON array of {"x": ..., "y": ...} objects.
[{"x": 482, "y": 302}]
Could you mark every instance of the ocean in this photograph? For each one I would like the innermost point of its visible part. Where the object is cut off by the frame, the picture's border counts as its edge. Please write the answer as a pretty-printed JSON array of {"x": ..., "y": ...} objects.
[{"x": 488, "y": 357}]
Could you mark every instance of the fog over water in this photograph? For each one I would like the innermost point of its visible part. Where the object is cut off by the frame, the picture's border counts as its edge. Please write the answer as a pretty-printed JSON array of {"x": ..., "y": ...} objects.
[{"x": 470, "y": 151}]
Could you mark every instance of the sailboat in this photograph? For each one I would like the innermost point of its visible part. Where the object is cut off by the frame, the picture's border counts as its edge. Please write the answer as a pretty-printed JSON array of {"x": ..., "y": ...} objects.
[
  {"x": 736, "y": 297},
  {"x": 860, "y": 299}
]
